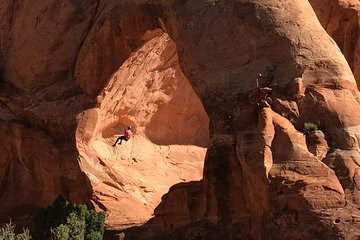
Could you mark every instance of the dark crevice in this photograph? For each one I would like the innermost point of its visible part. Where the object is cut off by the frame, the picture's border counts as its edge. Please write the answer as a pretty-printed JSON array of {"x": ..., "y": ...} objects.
[
  {"x": 154, "y": 12},
  {"x": 5, "y": 181},
  {"x": 2, "y": 77}
]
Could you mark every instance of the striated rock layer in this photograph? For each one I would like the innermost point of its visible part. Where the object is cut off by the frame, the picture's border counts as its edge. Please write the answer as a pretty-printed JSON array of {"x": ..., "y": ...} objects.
[{"x": 75, "y": 74}]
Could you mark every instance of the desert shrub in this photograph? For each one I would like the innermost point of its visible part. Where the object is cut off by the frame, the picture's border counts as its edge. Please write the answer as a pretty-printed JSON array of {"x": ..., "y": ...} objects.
[
  {"x": 25, "y": 235},
  {"x": 67, "y": 221},
  {"x": 60, "y": 233},
  {"x": 7, "y": 232},
  {"x": 310, "y": 127}
]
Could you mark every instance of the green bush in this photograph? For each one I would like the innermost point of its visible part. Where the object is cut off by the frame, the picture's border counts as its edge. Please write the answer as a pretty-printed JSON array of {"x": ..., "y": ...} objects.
[
  {"x": 67, "y": 221},
  {"x": 60, "y": 233},
  {"x": 7, "y": 233},
  {"x": 310, "y": 127}
]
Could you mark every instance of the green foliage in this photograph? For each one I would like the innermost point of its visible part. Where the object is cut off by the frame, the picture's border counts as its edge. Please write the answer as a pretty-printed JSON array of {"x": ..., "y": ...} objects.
[
  {"x": 67, "y": 221},
  {"x": 7, "y": 233},
  {"x": 60, "y": 233},
  {"x": 25, "y": 235},
  {"x": 94, "y": 225},
  {"x": 310, "y": 127},
  {"x": 76, "y": 226},
  {"x": 94, "y": 236}
]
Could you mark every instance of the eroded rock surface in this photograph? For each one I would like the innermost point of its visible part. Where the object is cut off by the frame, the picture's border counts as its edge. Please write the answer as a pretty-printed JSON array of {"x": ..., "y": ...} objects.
[
  {"x": 74, "y": 76},
  {"x": 257, "y": 147},
  {"x": 149, "y": 92},
  {"x": 261, "y": 69},
  {"x": 341, "y": 19}
]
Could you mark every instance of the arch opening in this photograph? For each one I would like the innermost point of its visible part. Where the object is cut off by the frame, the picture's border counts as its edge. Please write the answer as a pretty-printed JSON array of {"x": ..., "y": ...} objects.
[{"x": 149, "y": 92}]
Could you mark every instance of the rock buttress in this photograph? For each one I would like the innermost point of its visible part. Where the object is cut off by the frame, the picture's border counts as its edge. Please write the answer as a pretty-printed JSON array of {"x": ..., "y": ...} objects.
[{"x": 261, "y": 72}]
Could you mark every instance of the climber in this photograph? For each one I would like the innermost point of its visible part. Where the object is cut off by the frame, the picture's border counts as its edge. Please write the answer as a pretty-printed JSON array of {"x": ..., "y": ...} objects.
[{"x": 127, "y": 135}]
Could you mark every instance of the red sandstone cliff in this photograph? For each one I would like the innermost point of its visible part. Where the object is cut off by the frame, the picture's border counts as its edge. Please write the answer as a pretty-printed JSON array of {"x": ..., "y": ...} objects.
[
  {"x": 73, "y": 75},
  {"x": 341, "y": 19},
  {"x": 278, "y": 187}
]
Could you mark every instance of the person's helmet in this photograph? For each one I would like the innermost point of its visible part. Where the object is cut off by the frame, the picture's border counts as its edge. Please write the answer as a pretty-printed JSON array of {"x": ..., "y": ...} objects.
[{"x": 129, "y": 127}]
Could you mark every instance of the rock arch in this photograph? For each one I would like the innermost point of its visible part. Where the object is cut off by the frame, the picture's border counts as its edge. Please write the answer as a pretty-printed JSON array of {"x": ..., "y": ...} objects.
[{"x": 258, "y": 175}]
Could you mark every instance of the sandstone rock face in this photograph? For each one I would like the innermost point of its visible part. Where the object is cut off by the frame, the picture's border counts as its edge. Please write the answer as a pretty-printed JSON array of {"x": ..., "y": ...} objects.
[
  {"x": 277, "y": 189},
  {"x": 150, "y": 93},
  {"x": 317, "y": 144},
  {"x": 260, "y": 69},
  {"x": 340, "y": 18},
  {"x": 72, "y": 82},
  {"x": 33, "y": 39}
]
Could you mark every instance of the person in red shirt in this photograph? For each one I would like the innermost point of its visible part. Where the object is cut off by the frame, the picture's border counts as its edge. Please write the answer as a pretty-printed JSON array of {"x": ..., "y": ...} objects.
[{"x": 127, "y": 135}]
